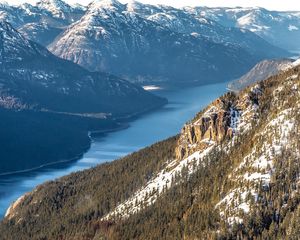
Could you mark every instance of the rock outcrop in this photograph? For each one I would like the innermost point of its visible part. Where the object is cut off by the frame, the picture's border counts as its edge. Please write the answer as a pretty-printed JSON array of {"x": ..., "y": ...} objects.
[{"x": 221, "y": 119}]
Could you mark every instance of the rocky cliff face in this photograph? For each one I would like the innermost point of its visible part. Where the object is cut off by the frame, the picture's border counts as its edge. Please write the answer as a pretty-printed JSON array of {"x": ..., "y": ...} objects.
[
  {"x": 211, "y": 127},
  {"x": 222, "y": 119}
]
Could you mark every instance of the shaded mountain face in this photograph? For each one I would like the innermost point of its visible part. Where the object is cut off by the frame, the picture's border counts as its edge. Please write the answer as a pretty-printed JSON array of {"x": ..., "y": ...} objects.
[
  {"x": 123, "y": 40},
  {"x": 33, "y": 78},
  {"x": 279, "y": 28},
  {"x": 232, "y": 172},
  {"x": 261, "y": 71}
]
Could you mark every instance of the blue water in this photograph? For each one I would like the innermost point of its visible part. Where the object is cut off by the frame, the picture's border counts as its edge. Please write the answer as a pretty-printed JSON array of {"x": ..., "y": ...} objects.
[{"x": 146, "y": 130}]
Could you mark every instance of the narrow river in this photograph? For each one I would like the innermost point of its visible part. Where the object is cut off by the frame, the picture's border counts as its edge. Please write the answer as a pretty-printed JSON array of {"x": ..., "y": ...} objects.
[{"x": 146, "y": 130}]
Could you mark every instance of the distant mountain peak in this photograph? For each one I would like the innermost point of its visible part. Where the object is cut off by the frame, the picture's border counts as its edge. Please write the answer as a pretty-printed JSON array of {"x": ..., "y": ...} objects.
[
  {"x": 4, "y": 4},
  {"x": 57, "y": 7},
  {"x": 78, "y": 6},
  {"x": 105, "y": 4}
]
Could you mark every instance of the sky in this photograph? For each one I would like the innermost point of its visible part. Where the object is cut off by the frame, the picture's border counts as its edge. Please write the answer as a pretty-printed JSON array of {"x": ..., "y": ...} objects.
[{"x": 282, "y": 5}]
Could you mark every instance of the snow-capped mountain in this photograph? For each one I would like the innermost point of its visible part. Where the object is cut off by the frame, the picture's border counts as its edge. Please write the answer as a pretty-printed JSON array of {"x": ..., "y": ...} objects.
[
  {"x": 232, "y": 173},
  {"x": 58, "y": 8},
  {"x": 185, "y": 21},
  {"x": 33, "y": 78},
  {"x": 43, "y": 22},
  {"x": 276, "y": 27},
  {"x": 117, "y": 38},
  {"x": 279, "y": 28}
]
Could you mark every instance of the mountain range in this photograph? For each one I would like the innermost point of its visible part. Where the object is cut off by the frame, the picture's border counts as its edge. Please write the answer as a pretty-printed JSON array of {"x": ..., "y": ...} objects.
[
  {"x": 142, "y": 43},
  {"x": 279, "y": 28},
  {"x": 33, "y": 78}
]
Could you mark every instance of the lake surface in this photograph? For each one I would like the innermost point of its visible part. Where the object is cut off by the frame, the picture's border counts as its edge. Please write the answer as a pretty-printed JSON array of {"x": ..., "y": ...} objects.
[{"x": 146, "y": 130}]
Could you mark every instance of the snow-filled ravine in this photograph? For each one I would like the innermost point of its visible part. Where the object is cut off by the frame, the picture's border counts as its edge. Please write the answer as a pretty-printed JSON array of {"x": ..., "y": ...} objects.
[{"x": 148, "y": 129}]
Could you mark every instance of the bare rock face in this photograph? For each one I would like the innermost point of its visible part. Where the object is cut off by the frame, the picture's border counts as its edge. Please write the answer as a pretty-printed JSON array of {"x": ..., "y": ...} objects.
[
  {"x": 212, "y": 126},
  {"x": 221, "y": 119}
]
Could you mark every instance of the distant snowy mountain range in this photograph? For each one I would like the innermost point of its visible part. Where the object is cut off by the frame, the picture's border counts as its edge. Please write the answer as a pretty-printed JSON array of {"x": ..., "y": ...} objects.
[
  {"x": 147, "y": 43},
  {"x": 279, "y": 28}
]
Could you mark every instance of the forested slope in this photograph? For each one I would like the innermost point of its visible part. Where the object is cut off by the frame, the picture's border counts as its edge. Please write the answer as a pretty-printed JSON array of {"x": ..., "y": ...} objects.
[{"x": 232, "y": 173}]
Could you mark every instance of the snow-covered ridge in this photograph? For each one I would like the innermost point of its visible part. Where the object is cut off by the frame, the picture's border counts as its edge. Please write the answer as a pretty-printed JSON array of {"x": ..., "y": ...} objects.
[
  {"x": 260, "y": 160},
  {"x": 14, "y": 45}
]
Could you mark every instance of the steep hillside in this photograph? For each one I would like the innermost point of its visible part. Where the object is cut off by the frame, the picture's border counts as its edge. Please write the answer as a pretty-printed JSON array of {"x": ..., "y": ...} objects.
[
  {"x": 261, "y": 71},
  {"x": 232, "y": 173}
]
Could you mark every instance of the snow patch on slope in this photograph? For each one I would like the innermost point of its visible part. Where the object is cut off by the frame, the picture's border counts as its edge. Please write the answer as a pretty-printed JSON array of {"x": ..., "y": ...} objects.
[
  {"x": 259, "y": 167},
  {"x": 164, "y": 179}
]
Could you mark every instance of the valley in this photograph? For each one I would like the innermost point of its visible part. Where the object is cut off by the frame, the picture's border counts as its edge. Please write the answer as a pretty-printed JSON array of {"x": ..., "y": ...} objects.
[
  {"x": 236, "y": 162},
  {"x": 126, "y": 120},
  {"x": 144, "y": 131}
]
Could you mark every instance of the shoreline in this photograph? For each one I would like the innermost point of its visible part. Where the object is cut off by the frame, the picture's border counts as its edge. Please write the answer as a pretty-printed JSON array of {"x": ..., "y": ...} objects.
[
  {"x": 78, "y": 156},
  {"x": 75, "y": 158},
  {"x": 122, "y": 126}
]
